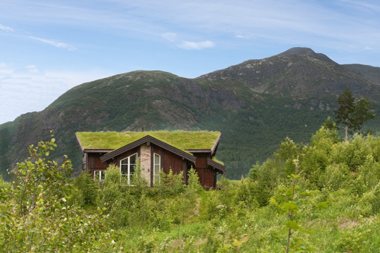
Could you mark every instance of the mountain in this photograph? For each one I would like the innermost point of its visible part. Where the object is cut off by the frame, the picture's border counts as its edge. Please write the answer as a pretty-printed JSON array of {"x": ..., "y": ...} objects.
[
  {"x": 298, "y": 72},
  {"x": 368, "y": 72},
  {"x": 255, "y": 105}
]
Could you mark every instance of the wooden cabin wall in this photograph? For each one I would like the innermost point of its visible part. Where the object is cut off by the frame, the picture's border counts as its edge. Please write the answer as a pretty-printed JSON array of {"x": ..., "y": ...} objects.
[
  {"x": 169, "y": 161},
  {"x": 94, "y": 162},
  {"x": 209, "y": 179},
  {"x": 120, "y": 157},
  {"x": 207, "y": 176}
]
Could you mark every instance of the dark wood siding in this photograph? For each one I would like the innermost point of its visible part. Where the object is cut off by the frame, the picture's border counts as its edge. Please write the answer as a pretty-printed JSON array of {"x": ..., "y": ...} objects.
[
  {"x": 120, "y": 157},
  {"x": 169, "y": 161},
  {"x": 207, "y": 175},
  {"x": 94, "y": 162},
  {"x": 209, "y": 179}
]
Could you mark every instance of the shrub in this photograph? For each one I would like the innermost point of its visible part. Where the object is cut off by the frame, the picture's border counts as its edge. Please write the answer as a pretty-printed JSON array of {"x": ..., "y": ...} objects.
[
  {"x": 41, "y": 219},
  {"x": 246, "y": 194},
  {"x": 86, "y": 190},
  {"x": 193, "y": 181},
  {"x": 334, "y": 177},
  {"x": 170, "y": 184},
  {"x": 5, "y": 189}
]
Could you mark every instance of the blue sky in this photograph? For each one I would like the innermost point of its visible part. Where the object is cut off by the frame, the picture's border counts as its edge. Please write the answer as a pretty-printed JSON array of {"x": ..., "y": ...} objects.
[{"x": 50, "y": 46}]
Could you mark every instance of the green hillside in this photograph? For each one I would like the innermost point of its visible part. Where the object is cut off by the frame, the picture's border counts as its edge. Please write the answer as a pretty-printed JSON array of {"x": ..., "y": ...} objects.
[{"x": 255, "y": 105}]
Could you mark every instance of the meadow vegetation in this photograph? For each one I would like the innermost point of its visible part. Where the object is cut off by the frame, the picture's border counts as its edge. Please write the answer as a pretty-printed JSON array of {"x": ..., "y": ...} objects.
[
  {"x": 179, "y": 139},
  {"x": 322, "y": 197}
]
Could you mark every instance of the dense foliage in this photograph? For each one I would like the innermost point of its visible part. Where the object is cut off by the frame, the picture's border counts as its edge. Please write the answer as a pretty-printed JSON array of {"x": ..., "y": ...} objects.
[
  {"x": 322, "y": 197},
  {"x": 37, "y": 214}
]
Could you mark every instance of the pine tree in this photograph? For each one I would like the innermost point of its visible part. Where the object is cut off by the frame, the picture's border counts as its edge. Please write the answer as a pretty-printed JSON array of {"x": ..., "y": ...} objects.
[
  {"x": 362, "y": 114},
  {"x": 353, "y": 114},
  {"x": 345, "y": 111}
]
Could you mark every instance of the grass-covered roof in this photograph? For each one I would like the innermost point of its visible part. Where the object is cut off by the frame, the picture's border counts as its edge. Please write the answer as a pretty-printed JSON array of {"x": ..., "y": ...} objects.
[{"x": 179, "y": 139}]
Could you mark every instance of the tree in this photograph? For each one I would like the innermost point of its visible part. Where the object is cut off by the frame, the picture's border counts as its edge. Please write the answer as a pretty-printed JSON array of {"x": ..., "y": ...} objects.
[
  {"x": 345, "y": 110},
  {"x": 38, "y": 217},
  {"x": 362, "y": 113},
  {"x": 353, "y": 114},
  {"x": 330, "y": 124}
]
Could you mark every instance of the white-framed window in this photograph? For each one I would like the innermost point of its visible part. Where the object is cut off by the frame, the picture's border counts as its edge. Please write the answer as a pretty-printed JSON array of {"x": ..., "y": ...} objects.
[
  {"x": 99, "y": 175},
  {"x": 128, "y": 167},
  {"x": 156, "y": 167}
]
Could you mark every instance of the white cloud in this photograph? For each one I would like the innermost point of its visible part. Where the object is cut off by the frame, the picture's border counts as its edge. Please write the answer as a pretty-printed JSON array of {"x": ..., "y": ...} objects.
[
  {"x": 5, "y": 71},
  {"x": 32, "y": 69},
  {"x": 312, "y": 23},
  {"x": 5, "y": 28},
  {"x": 369, "y": 6},
  {"x": 197, "y": 45},
  {"x": 241, "y": 36},
  {"x": 189, "y": 45},
  {"x": 169, "y": 36},
  {"x": 55, "y": 43},
  {"x": 25, "y": 90}
]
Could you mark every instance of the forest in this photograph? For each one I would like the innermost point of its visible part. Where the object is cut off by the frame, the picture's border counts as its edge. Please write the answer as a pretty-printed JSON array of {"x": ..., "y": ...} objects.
[{"x": 321, "y": 197}]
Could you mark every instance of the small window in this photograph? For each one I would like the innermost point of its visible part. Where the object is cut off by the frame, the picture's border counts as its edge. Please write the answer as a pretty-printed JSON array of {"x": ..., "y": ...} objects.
[
  {"x": 157, "y": 168},
  {"x": 128, "y": 166},
  {"x": 99, "y": 175}
]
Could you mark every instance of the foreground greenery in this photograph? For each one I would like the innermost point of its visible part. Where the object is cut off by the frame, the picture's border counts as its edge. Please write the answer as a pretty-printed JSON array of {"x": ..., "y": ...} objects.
[{"x": 326, "y": 194}]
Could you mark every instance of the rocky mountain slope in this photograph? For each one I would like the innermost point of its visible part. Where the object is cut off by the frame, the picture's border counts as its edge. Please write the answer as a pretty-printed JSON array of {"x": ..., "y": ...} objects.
[{"x": 255, "y": 105}]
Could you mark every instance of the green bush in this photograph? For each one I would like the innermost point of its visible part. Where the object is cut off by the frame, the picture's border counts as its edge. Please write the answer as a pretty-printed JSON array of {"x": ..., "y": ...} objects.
[
  {"x": 193, "y": 181},
  {"x": 246, "y": 193},
  {"x": 5, "y": 189},
  {"x": 170, "y": 184},
  {"x": 39, "y": 218},
  {"x": 334, "y": 177},
  {"x": 85, "y": 190}
]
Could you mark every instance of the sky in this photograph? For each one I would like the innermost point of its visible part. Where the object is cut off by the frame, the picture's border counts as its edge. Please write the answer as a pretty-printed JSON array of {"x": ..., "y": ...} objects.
[{"x": 50, "y": 46}]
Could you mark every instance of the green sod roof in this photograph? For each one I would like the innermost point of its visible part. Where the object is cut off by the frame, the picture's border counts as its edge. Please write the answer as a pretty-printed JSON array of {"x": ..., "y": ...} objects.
[
  {"x": 179, "y": 139},
  {"x": 216, "y": 160}
]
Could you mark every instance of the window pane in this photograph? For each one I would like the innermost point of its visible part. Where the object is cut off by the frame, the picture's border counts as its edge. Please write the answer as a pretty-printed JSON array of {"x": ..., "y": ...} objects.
[
  {"x": 124, "y": 169},
  {"x": 156, "y": 169},
  {"x": 156, "y": 159},
  {"x": 133, "y": 159},
  {"x": 128, "y": 166}
]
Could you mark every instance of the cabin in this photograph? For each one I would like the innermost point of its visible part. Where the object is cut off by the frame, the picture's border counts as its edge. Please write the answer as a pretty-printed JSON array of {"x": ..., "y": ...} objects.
[{"x": 154, "y": 151}]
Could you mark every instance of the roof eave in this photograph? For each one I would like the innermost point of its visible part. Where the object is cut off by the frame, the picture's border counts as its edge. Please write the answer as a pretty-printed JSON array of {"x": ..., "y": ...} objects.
[
  {"x": 96, "y": 150},
  {"x": 213, "y": 149},
  {"x": 199, "y": 150},
  {"x": 216, "y": 165},
  {"x": 80, "y": 144}
]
